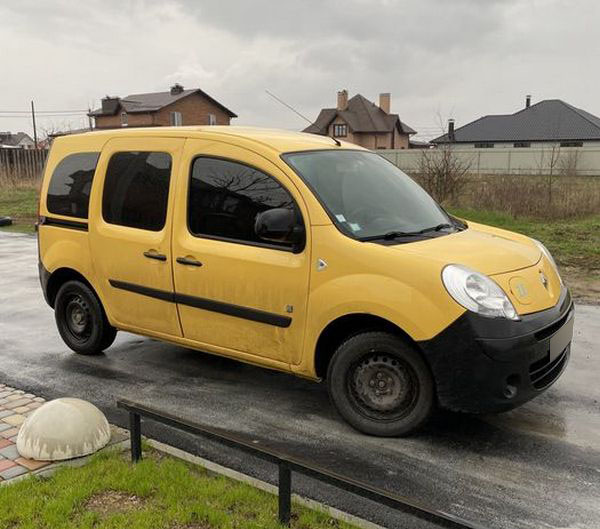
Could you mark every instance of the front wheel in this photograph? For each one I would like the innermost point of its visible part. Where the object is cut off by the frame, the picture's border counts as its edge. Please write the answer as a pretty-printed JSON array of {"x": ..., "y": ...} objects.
[
  {"x": 381, "y": 385},
  {"x": 81, "y": 320}
]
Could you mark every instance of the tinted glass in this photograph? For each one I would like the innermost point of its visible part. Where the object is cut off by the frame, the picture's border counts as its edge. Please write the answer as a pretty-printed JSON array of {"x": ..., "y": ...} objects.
[
  {"x": 366, "y": 194},
  {"x": 136, "y": 190},
  {"x": 70, "y": 185},
  {"x": 225, "y": 198}
]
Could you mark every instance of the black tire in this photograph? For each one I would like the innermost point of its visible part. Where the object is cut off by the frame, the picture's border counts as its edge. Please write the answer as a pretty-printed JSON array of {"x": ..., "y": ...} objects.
[
  {"x": 381, "y": 385},
  {"x": 81, "y": 320}
]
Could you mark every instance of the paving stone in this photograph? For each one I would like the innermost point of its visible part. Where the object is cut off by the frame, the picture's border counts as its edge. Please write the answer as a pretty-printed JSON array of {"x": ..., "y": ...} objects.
[
  {"x": 35, "y": 405},
  {"x": 5, "y": 442},
  {"x": 39, "y": 399},
  {"x": 3, "y": 402},
  {"x": 31, "y": 464},
  {"x": 13, "y": 472},
  {"x": 28, "y": 396},
  {"x": 13, "y": 397},
  {"x": 21, "y": 410},
  {"x": 6, "y": 413},
  {"x": 17, "y": 403},
  {"x": 19, "y": 392},
  {"x": 4, "y": 427},
  {"x": 15, "y": 420},
  {"x": 4, "y": 394},
  {"x": 10, "y": 452},
  {"x": 9, "y": 433},
  {"x": 6, "y": 463},
  {"x": 13, "y": 438}
]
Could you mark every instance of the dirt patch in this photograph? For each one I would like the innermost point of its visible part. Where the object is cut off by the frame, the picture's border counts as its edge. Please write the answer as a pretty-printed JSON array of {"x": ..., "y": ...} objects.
[
  {"x": 584, "y": 285},
  {"x": 112, "y": 501}
]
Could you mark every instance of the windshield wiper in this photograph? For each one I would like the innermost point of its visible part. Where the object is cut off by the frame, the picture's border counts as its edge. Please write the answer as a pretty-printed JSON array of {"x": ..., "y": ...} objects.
[
  {"x": 439, "y": 227},
  {"x": 399, "y": 234},
  {"x": 391, "y": 235}
]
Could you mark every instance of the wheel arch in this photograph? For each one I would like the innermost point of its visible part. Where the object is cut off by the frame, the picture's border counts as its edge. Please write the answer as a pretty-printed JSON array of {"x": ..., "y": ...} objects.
[
  {"x": 59, "y": 277},
  {"x": 343, "y": 327}
]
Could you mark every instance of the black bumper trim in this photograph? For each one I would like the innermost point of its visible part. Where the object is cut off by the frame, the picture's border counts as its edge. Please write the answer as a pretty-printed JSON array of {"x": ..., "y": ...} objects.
[{"x": 490, "y": 364}]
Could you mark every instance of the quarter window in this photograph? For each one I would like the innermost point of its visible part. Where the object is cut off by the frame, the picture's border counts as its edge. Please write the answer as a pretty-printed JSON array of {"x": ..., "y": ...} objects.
[
  {"x": 225, "y": 197},
  {"x": 212, "y": 119},
  {"x": 124, "y": 119},
  {"x": 70, "y": 185},
  {"x": 136, "y": 190}
]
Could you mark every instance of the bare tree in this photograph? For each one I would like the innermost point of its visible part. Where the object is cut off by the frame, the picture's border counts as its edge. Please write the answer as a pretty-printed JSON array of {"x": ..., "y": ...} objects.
[
  {"x": 443, "y": 173},
  {"x": 569, "y": 162}
]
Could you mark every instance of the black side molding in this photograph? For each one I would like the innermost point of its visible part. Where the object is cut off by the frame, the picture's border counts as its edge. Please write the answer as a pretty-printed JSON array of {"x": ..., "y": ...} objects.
[
  {"x": 63, "y": 223},
  {"x": 221, "y": 307}
]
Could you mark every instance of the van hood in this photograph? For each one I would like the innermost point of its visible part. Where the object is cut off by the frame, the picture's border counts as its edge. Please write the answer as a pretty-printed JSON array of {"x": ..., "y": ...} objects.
[{"x": 482, "y": 248}]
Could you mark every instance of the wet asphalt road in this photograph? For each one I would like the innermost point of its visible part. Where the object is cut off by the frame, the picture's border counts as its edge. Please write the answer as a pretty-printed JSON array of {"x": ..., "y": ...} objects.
[{"x": 534, "y": 467}]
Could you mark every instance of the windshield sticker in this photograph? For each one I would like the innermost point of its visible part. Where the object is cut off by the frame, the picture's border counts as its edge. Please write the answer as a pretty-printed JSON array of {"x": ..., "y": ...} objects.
[
  {"x": 354, "y": 226},
  {"x": 340, "y": 218}
]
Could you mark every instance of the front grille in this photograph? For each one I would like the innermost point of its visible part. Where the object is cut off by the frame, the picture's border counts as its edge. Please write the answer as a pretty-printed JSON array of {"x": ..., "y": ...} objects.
[
  {"x": 543, "y": 372},
  {"x": 552, "y": 328}
]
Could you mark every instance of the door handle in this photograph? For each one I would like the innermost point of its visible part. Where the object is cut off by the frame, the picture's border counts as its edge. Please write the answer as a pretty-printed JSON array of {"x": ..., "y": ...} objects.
[
  {"x": 152, "y": 254},
  {"x": 188, "y": 261}
]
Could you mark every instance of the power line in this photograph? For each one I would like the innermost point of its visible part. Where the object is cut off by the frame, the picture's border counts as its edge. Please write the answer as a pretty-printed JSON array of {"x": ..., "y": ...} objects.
[{"x": 73, "y": 111}]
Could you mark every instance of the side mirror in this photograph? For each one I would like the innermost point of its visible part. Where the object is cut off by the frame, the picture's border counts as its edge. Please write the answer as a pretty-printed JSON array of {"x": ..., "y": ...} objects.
[{"x": 279, "y": 225}]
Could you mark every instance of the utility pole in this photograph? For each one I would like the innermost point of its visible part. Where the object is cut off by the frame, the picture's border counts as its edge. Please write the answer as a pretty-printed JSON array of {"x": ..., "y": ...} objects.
[
  {"x": 34, "y": 128},
  {"x": 90, "y": 118}
]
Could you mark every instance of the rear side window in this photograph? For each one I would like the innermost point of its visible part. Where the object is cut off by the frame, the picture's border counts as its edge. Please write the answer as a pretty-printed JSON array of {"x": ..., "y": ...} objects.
[
  {"x": 225, "y": 197},
  {"x": 136, "y": 190},
  {"x": 70, "y": 185}
]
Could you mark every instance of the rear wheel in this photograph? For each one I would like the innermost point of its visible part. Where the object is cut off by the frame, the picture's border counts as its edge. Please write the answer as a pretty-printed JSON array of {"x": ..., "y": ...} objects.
[
  {"x": 381, "y": 385},
  {"x": 81, "y": 320}
]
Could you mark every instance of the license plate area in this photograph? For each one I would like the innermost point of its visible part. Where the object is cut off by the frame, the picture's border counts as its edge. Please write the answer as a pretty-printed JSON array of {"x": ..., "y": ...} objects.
[{"x": 561, "y": 338}]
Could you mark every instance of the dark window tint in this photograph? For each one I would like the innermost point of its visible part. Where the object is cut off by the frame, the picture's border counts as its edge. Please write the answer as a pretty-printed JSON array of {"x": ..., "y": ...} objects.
[
  {"x": 136, "y": 189},
  {"x": 571, "y": 144},
  {"x": 522, "y": 144},
  {"x": 225, "y": 198},
  {"x": 70, "y": 185},
  {"x": 484, "y": 145}
]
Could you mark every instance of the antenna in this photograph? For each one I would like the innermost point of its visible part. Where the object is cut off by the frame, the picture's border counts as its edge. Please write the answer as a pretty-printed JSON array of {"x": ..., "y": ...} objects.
[{"x": 288, "y": 106}]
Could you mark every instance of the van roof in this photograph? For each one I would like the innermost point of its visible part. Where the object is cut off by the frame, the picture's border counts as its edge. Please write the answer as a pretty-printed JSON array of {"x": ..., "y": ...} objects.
[{"x": 278, "y": 140}]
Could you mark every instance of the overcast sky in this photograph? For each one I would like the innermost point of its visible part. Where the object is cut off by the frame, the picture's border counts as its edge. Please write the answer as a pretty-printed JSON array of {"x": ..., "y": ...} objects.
[{"x": 459, "y": 58}]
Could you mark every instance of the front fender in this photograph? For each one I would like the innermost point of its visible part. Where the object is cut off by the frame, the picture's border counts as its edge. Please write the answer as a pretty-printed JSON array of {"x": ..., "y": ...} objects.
[{"x": 421, "y": 311}]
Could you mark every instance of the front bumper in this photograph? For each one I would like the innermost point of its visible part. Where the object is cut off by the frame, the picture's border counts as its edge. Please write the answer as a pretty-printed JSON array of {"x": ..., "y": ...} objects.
[{"x": 492, "y": 364}]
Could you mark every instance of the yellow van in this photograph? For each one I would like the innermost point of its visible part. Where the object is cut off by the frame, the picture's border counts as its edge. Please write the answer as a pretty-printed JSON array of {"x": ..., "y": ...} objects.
[{"x": 303, "y": 254}]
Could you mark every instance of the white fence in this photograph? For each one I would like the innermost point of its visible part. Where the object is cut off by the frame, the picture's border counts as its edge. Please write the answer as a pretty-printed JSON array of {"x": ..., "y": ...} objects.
[{"x": 526, "y": 161}]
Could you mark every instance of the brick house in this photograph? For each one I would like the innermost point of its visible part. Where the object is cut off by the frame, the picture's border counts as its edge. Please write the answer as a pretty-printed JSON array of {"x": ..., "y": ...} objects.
[
  {"x": 160, "y": 109},
  {"x": 360, "y": 121}
]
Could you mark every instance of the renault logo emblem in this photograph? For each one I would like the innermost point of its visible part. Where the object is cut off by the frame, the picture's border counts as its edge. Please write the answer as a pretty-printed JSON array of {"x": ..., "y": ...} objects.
[{"x": 544, "y": 279}]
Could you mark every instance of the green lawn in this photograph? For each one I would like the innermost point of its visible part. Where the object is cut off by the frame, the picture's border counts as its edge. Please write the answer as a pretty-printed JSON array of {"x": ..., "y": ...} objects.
[
  {"x": 21, "y": 204},
  {"x": 159, "y": 492}
]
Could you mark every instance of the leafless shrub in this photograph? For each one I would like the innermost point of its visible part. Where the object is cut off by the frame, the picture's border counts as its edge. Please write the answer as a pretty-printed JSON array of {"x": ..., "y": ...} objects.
[
  {"x": 442, "y": 173},
  {"x": 568, "y": 163}
]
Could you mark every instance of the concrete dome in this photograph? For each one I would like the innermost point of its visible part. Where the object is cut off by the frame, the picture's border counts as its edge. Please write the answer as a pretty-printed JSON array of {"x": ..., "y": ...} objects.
[{"x": 63, "y": 429}]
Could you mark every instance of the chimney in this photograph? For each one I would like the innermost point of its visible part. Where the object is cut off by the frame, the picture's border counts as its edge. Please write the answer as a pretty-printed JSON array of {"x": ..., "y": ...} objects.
[
  {"x": 176, "y": 89},
  {"x": 451, "y": 136},
  {"x": 342, "y": 100},
  {"x": 385, "y": 101},
  {"x": 110, "y": 104},
  {"x": 527, "y": 101}
]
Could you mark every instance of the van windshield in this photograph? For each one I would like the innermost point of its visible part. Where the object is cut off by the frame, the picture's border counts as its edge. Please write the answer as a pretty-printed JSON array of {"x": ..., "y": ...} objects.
[{"x": 368, "y": 197}]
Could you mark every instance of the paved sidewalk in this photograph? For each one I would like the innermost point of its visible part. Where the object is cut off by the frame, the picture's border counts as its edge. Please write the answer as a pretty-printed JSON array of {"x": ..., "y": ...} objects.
[{"x": 15, "y": 406}]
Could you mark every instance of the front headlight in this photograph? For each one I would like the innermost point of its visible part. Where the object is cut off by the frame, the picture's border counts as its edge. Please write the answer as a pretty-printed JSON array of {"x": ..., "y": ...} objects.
[
  {"x": 477, "y": 292},
  {"x": 548, "y": 256}
]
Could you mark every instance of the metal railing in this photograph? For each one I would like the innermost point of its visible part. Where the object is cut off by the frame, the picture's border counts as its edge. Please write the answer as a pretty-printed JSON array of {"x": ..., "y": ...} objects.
[{"x": 286, "y": 464}]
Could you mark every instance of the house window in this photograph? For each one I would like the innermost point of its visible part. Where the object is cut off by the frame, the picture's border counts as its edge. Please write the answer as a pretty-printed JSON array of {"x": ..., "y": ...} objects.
[
  {"x": 571, "y": 144},
  {"x": 212, "y": 119},
  {"x": 176, "y": 119},
  {"x": 340, "y": 131},
  {"x": 484, "y": 145},
  {"x": 123, "y": 119},
  {"x": 521, "y": 144}
]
